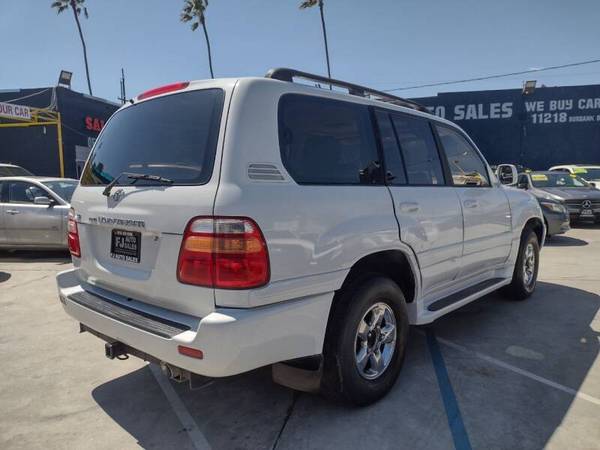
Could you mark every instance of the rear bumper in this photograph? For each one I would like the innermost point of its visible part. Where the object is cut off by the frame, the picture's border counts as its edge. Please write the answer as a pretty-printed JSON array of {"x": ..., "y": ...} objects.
[{"x": 232, "y": 340}]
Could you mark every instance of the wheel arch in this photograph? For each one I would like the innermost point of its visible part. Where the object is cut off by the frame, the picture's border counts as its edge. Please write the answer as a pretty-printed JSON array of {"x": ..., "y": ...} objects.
[
  {"x": 538, "y": 227},
  {"x": 395, "y": 264}
]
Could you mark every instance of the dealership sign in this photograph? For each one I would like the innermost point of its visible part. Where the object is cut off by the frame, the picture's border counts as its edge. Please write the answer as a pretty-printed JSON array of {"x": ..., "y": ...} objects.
[{"x": 15, "y": 111}]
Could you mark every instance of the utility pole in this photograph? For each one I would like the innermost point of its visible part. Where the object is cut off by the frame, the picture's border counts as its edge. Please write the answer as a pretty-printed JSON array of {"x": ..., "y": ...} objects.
[{"x": 123, "y": 96}]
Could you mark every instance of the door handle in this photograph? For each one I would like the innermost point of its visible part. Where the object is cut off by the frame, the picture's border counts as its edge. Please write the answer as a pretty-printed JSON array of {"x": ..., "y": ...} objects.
[
  {"x": 409, "y": 207},
  {"x": 471, "y": 203},
  {"x": 12, "y": 211}
]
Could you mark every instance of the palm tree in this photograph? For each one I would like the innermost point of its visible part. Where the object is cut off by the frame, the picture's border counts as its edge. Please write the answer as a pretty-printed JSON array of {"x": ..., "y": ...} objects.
[
  {"x": 193, "y": 11},
  {"x": 309, "y": 4},
  {"x": 77, "y": 6}
]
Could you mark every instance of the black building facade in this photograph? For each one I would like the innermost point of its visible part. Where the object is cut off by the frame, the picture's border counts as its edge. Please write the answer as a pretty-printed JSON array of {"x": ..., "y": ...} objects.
[
  {"x": 35, "y": 147},
  {"x": 550, "y": 126}
]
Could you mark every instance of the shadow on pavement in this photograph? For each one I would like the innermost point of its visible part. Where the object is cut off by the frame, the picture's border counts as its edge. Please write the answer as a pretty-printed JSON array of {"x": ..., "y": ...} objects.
[
  {"x": 549, "y": 335},
  {"x": 34, "y": 256},
  {"x": 564, "y": 241},
  {"x": 4, "y": 276}
]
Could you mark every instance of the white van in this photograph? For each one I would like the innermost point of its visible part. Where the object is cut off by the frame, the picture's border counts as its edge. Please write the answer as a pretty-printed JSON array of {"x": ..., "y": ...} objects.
[{"x": 229, "y": 224}]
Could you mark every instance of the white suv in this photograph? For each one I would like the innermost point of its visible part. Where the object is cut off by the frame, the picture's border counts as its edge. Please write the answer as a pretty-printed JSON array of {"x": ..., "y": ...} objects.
[{"x": 224, "y": 225}]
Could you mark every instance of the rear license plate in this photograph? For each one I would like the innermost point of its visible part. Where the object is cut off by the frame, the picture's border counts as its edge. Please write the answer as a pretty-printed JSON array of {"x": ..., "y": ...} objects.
[
  {"x": 125, "y": 245},
  {"x": 586, "y": 212}
]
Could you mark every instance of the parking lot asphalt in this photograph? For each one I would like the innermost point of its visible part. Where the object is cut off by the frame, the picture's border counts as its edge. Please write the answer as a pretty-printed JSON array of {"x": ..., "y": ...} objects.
[{"x": 520, "y": 375}]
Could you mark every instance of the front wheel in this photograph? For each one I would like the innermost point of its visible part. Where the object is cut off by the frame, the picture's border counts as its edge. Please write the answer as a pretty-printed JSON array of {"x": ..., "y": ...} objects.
[
  {"x": 365, "y": 342},
  {"x": 526, "y": 268}
]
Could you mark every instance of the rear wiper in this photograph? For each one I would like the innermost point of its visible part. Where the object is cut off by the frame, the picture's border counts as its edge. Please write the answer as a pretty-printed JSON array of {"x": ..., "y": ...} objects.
[{"x": 135, "y": 177}]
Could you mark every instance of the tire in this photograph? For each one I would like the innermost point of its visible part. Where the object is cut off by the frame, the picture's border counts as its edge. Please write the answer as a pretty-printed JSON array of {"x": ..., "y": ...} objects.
[
  {"x": 344, "y": 378},
  {"x": 524, "y": 281}
]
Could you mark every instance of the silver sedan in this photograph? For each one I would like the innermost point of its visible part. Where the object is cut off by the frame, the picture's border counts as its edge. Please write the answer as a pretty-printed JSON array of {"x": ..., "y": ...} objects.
[{"x": 33, "y": 212}]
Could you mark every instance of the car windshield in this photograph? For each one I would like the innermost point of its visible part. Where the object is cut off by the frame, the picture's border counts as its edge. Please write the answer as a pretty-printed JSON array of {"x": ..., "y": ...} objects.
[
  {"x": 588, "y": 173},
  {"x": 557, "y": 179},
  {"x": 14, "y": 171},
  {"x": 63, "y": 188},
  {"x": 173, "y": 137}
]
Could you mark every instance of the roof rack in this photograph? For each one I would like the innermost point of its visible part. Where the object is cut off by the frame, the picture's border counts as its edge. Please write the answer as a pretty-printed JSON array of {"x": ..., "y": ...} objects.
[{"x": 285, "y": 74}]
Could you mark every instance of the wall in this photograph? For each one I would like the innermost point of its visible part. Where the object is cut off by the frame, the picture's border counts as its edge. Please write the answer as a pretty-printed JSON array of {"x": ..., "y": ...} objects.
[
  {"x": 36, "y": 147},
  {"x": 553, "y": 125}
]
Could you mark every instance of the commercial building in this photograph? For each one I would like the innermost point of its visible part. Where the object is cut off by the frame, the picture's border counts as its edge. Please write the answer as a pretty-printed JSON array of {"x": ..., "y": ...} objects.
[
  {"x": 535, "y": 127},
  {"x": 50, "y": 131}
]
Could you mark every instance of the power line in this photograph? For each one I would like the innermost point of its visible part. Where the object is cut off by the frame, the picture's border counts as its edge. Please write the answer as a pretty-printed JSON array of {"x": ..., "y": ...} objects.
[{"x": 489, "y": 77}]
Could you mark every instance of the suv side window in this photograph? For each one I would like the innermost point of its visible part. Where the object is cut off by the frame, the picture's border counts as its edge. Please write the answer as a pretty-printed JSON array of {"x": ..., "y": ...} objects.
[
  {"x": 466, "y": 166},
  {"x": 419, "y": 150},
  {"x": 324, "y": 141},
  {"x": 22, "y": 192},
  {"x": 394, "y": 166}
]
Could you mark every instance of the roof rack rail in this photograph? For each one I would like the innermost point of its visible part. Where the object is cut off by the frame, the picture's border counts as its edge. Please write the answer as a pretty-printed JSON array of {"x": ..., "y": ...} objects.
[{"x": 285, "y": 74}]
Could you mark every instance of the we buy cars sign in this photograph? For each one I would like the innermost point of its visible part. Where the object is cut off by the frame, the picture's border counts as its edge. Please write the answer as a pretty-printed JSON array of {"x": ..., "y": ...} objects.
[{"x": 15, "y": 111}]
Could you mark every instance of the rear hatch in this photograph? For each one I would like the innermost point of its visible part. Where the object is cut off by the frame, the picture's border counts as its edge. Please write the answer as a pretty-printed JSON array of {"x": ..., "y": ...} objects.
[{"x": 159, "y": 157}]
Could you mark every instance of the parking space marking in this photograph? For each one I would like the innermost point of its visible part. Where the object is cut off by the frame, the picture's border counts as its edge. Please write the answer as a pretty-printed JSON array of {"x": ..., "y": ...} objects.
[
  {"x": 457, "y": 426},
  {"x": 523, "y": 372},
  {"x": 184, "y": 416}
]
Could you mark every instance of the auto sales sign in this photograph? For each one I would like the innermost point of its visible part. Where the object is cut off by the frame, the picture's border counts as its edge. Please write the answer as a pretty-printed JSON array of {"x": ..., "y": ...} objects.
[{"x": 11, "y": 111}]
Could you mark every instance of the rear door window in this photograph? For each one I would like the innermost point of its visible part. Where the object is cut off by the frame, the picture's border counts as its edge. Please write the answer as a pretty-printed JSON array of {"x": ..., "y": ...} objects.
[
  {"x": 394, "y": 166},
  {"x": 326, "y": 141},
  {"x": 419, "y": 150},
  {"x": 174, "y": 137}
]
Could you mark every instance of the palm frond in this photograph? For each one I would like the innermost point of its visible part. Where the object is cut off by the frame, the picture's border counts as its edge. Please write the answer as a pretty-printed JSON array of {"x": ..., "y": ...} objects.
[
  {"x": 193, "y": 10},
  {"x": 309, "y": 4}
]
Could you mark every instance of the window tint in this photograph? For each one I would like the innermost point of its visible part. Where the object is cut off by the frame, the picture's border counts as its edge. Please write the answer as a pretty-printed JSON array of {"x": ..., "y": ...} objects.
[
  {"x": 21, "y": 192},
  {"x": 391, "y": 152},
  {"x": 174, "y": 136},
  {"x": 327, "y": 141},
  {"x": 421, "y": 158},
  {"x": 467, "y": 167}
]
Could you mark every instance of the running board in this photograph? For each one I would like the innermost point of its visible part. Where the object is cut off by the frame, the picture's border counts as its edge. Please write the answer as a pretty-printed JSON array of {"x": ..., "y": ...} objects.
[{"x": 461, "y": 295}]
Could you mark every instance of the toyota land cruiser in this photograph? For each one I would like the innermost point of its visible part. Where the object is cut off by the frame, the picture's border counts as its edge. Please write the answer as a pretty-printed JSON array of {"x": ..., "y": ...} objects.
[{"x": 225, "y": 225}]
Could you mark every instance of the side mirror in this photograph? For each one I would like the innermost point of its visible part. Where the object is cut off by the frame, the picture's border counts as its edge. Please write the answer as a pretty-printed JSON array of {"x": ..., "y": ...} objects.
[
  {"x": 507, "y": 174},
  {"x": 46, "y": 201}
]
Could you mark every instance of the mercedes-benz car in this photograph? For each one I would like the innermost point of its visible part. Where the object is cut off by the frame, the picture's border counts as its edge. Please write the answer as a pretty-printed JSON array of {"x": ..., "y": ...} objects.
[
  {"x": 33, "y": 212},
  {"x": 580, "y": 197},
  {"x": 556, "y": 214}
]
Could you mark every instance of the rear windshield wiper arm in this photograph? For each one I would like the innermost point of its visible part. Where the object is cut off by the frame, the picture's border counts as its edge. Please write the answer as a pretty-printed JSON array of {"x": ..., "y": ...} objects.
[{"x": 135, "y": 177}]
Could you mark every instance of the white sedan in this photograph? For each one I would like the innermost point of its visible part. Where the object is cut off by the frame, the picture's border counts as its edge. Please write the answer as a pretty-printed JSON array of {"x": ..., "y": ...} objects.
[{"x": 33, "y": 212}]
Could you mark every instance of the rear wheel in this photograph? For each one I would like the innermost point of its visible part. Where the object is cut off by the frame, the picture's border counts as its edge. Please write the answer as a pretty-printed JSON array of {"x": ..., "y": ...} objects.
[
  {"x": 365, "y": 342},
  {"x": 526, "y": 268}
]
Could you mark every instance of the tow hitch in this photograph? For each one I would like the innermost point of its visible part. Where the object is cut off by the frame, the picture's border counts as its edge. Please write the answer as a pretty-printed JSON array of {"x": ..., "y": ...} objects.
[{"x": 114, "y": 350}]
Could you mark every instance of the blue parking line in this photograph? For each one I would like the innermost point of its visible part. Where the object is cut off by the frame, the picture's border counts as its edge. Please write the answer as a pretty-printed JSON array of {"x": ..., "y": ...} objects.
[{"x": 457, "y": 427}]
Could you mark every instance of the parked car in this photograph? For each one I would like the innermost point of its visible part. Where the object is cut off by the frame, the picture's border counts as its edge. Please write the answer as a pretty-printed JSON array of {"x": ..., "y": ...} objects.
[
  {"x": 10, "y": 170},
  {"x": 225, "y": 225},
  {"x": 589, "y": 173},
  {"x": 33, "y": 212},
  {"x": 582, "y": 199},
  {"x": 556, "y": 214}
]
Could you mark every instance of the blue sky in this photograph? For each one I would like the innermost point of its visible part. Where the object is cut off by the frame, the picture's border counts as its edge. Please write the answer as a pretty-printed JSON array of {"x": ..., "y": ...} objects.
[{"x": 380, "y": 43}]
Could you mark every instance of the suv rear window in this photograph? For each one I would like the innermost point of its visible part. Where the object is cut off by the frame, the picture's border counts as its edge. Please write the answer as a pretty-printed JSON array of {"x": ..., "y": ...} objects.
[
  {"x": 174, "y": 137},
  {"x": 326, "y": 141}
]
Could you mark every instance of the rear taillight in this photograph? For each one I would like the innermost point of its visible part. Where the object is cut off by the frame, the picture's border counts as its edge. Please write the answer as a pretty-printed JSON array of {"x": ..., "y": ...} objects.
[
  {"x": 223, "y": 252},
  {"x": 163, "y": 90},
  {"x": 73, "y": 235}
]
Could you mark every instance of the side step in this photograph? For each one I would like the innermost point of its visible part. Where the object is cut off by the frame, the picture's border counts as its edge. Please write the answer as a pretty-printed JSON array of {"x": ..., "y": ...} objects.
[{"x": 461, "y": 295}]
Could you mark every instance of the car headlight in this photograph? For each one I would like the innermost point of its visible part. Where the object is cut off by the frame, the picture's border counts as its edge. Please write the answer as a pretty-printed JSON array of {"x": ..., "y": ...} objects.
[{"x": 556, "y": 207}]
